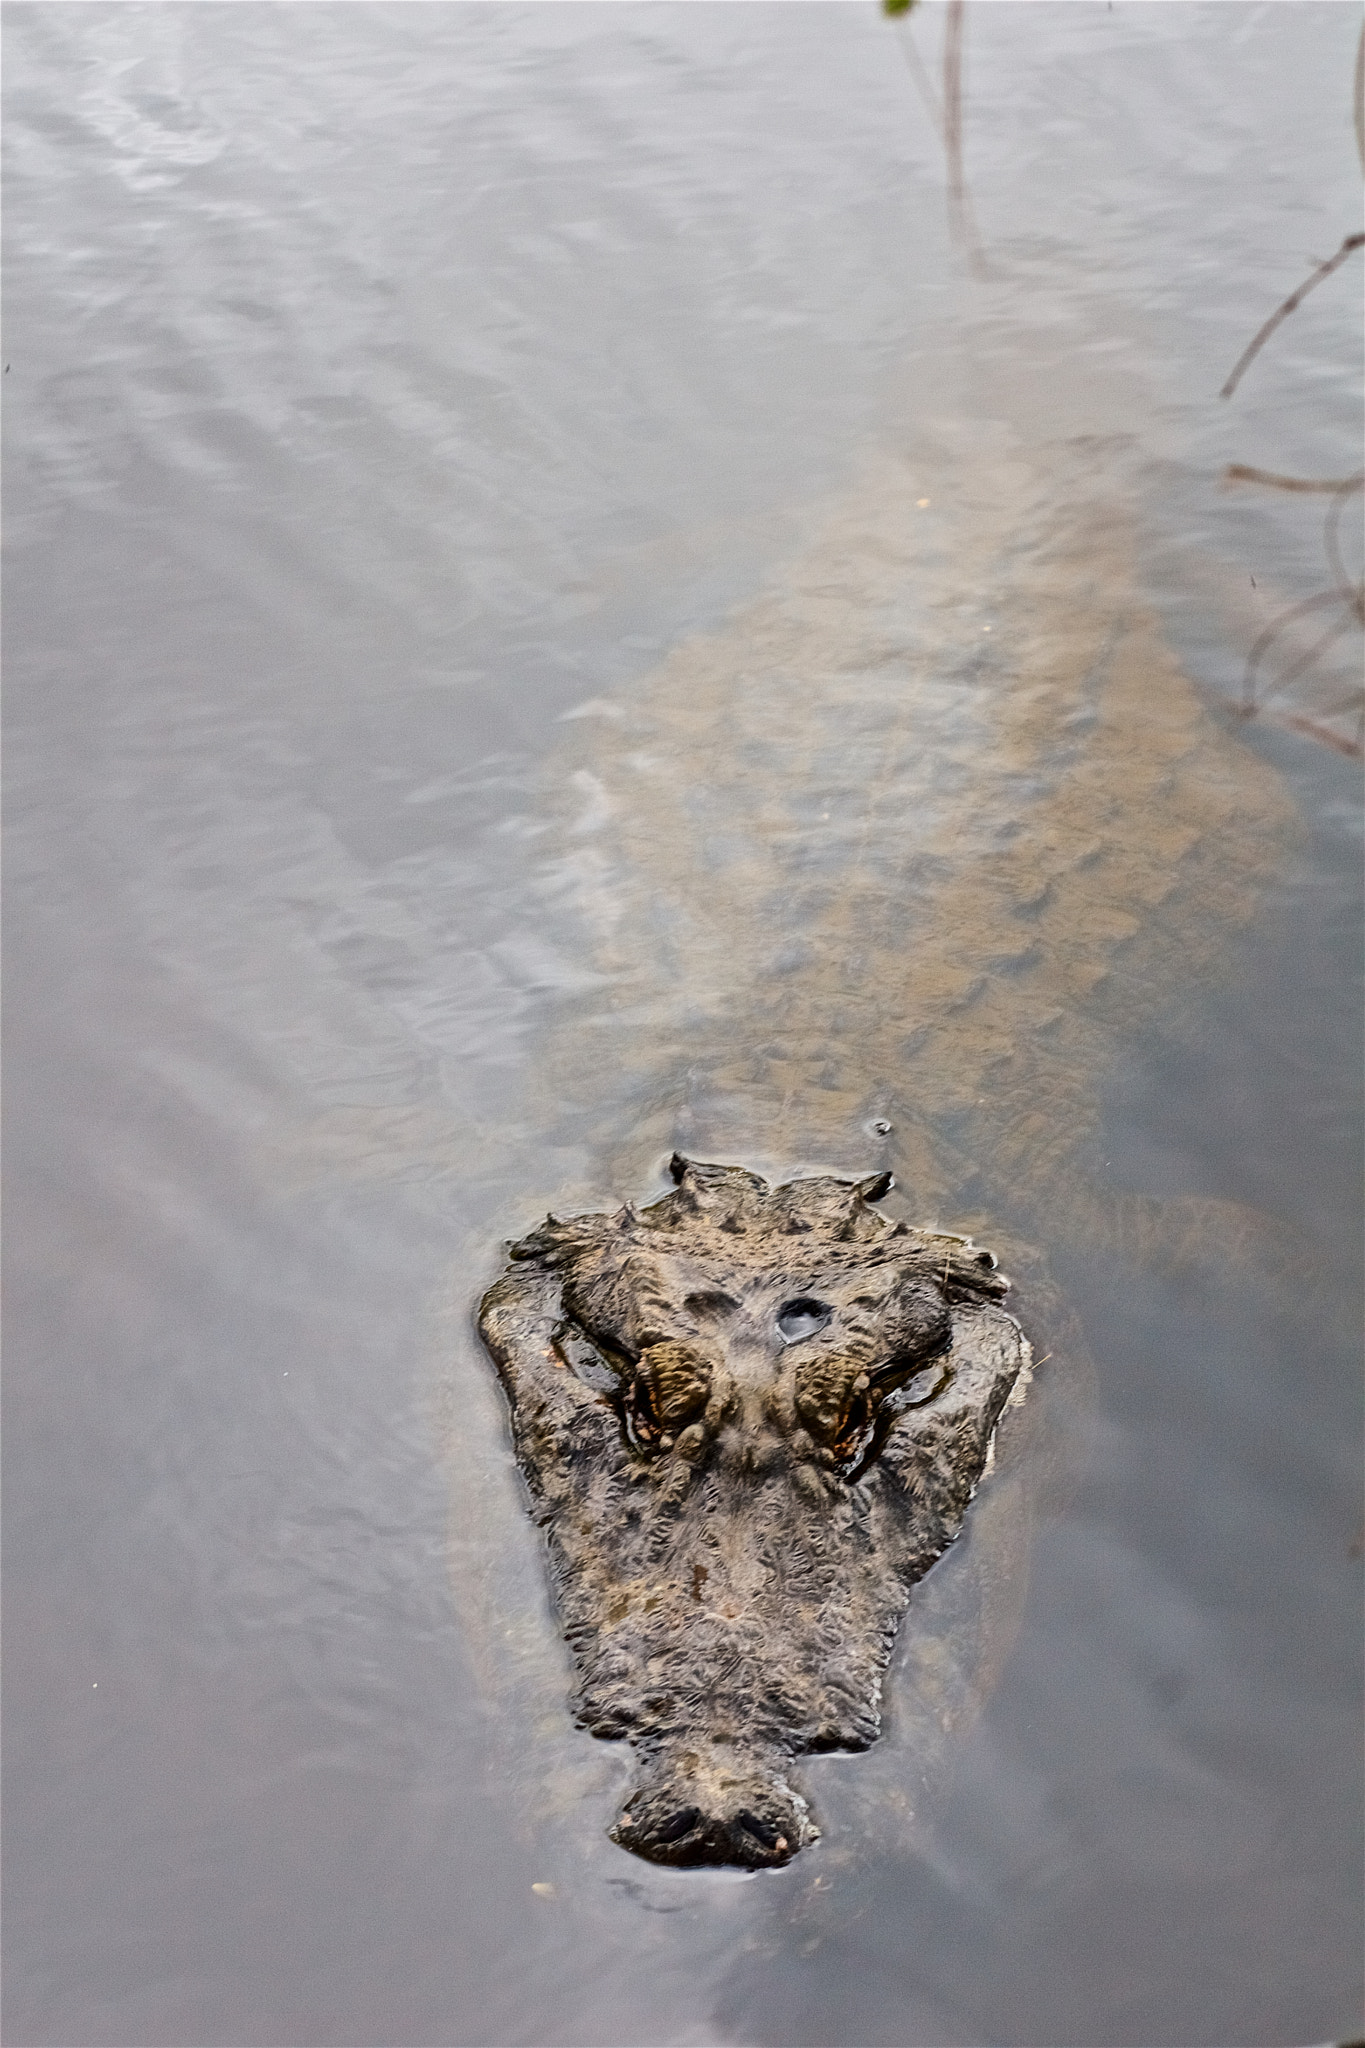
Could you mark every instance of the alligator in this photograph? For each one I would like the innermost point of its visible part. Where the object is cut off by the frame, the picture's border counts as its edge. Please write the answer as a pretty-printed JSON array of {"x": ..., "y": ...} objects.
[
  {"x": 893, "y": 868},
  {"x": 750, "y": 1418}
]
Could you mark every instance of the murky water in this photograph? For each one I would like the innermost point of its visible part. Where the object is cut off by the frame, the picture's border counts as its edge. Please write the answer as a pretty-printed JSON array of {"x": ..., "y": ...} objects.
[{"x": 551, "y": 614}]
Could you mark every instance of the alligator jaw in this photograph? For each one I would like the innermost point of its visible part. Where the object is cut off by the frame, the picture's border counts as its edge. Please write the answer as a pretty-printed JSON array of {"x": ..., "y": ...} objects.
[{"x": 706, "y": 1803}]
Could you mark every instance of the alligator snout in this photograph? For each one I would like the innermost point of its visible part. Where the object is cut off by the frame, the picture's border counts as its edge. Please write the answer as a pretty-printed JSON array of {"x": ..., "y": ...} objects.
[{"x": 708, "y": 1805}]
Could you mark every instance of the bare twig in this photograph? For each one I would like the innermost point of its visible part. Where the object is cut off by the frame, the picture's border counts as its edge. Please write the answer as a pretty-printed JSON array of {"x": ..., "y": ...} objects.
[
  {"x": 1347, "y": 598},
  {"x": 1324, "y": 734},
  {"x": 1295, "y": 299},
  {"x": 1244, "y": 473},
  {"x": 1265, "y": 640},
  {"x": 1314, "y": 653},
  {"x": 945, "y": 112}
]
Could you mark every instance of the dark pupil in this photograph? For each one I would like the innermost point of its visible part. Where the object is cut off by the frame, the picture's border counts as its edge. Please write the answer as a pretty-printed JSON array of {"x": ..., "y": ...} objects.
[{"x": 798, "y": 1319}]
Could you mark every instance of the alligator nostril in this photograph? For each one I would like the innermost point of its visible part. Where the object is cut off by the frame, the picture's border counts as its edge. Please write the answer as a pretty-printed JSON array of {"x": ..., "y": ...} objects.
[
  {"x": 803, "y": 1317},
  {"x": 679, "y": 1824},
  {"x": 759, "y": 1829}
]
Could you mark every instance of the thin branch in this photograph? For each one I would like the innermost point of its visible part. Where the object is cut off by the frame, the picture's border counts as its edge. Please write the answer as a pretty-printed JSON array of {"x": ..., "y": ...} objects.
[
  {"x": 946, "y": 114},
  {"x": 1315, "y": 652},
  {"x": 1243, "y": 473},
  {"x": 1283, "y": 312},
  {"x": 1353, "y": 749},
  {"x": 961, "y": 218},
  {"x": 1272, "y": 633}
]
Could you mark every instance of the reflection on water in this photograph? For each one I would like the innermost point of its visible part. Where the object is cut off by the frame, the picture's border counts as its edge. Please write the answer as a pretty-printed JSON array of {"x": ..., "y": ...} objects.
[{"x": 548, "y": 618}]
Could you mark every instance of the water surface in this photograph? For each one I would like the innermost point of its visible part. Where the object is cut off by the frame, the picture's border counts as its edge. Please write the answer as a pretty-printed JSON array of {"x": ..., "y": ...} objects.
[{"x": 487, "y": 703}]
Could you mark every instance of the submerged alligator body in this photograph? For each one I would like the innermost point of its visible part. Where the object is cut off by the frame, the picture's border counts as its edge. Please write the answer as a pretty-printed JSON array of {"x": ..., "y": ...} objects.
[
  {"x": 911, "y": 852},
  {"x": 750, "y": 1418}
]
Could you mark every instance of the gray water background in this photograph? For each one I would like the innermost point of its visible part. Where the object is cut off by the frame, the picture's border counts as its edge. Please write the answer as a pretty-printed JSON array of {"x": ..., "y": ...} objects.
[{"x": 383, "y": 383}]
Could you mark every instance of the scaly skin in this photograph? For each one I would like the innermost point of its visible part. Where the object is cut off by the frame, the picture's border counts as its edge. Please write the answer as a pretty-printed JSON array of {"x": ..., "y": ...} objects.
[{"x": 750, "y": 1419}]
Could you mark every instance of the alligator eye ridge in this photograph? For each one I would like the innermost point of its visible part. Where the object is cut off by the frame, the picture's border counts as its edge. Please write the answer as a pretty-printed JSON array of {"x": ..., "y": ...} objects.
[
  {"x": 803, "y": 1317},
  {"x": 667, "y": 1390}
]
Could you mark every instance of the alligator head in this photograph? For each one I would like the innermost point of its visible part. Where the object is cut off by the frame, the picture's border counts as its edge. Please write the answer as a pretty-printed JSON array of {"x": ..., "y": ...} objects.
[{"x": 750, "y": 1417}]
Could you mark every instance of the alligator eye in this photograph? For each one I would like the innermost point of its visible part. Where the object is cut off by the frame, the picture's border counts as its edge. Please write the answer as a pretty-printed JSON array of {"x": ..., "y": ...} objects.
[
  {"x": 803, "y": 1317},
  {"x": 669, "y": 1387},
  {"x": 834, "y": 1401},
  {"x": 679, "y": 1381}
]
